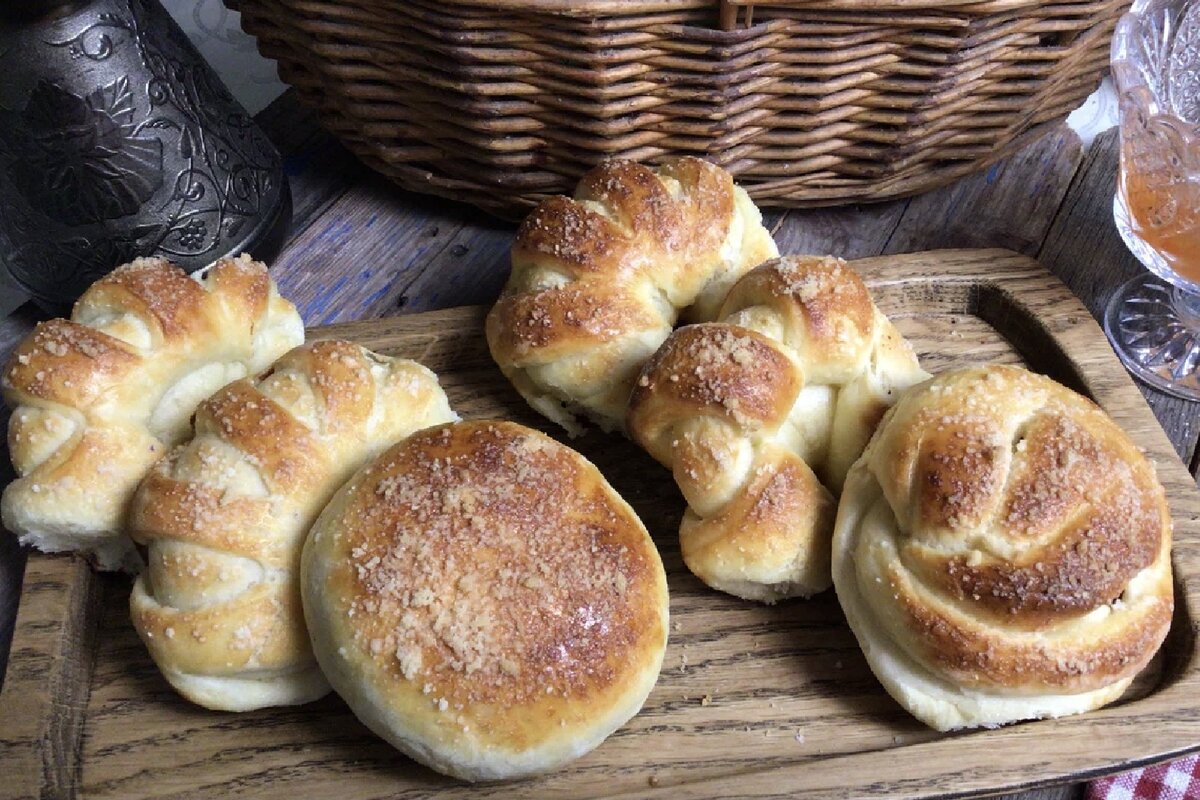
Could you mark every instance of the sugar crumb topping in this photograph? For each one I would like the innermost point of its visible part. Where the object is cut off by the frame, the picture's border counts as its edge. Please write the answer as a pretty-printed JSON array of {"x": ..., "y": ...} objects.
[
  {"x": 724, "y": 366},
  {"x": 1045, "y": 520},
  {"x": 524, "y": 572}
]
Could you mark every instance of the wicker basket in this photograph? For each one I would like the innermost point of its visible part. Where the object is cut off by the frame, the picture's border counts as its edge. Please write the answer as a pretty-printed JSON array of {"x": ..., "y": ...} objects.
[{"x": 502, "y": 102}]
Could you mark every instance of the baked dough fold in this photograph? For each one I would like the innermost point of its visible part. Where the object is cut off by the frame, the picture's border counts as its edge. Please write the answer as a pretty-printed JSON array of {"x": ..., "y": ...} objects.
[
  {"x": 1002, "y": 551},
  {"x": 599, "y": 280},
  {"x": 760, "y": 415},
  {"x": 224, "y": 517},
  {"x": 482, "y": 599},
  {"x": 98, "y": 398}
]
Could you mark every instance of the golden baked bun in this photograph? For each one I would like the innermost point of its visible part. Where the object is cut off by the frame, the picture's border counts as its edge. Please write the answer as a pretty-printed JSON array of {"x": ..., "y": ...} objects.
[
  {"x": 1003, "y": 551},
  {"x": 99, "y": 398},
  {"x": 760, "y": 415},
  {"x": 483, "y": 600},
  {"x": 599, "y": 280},
  {"x": 224, "y": 517}
]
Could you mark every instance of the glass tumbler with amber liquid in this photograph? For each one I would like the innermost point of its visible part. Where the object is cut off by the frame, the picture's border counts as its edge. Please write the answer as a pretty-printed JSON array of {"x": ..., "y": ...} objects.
[{"x": 1153, "y": 321}]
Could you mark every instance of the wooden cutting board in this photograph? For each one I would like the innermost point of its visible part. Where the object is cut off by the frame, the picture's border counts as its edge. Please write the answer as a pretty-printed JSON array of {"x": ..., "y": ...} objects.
[{"x": 753, "y": 700}]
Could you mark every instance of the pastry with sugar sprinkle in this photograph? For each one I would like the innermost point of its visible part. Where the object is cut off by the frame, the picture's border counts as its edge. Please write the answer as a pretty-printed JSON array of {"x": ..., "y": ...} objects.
[
  {"x": 760, "y": 414},
  {"x": 224, "y": 516},
  {"x": 1003, "y": 551},
  {"x": 599, "y": 279},
  {"x": 485, "y": 601},
  {"x": 98, "y": 398}
]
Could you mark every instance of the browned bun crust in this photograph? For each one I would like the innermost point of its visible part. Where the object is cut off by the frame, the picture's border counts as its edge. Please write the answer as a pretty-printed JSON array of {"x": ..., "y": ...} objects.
[
  {"x": 598, "y": 280},
  {"x": 483, "y": 599},
  {"x": 224, "y": 517},
  {"x": 1003, "y": 551},
  {"x": 98, "y": 398},
  {"x": 759, "y": 416}
]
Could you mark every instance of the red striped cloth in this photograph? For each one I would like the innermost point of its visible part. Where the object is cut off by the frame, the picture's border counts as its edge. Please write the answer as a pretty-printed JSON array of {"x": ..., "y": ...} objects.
[{"x": 1174, "y": 780}]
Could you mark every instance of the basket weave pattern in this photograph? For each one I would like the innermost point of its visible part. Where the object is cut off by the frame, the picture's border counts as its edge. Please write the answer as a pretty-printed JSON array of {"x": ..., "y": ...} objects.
[{"x": 503, "y": 102}]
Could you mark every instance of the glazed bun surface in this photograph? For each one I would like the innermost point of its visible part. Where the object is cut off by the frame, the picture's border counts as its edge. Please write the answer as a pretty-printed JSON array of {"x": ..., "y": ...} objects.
[
  {"x": 224, "y": 517},
  {"x": 98, "y": 398},
  {"x": 760, "y": 415}
]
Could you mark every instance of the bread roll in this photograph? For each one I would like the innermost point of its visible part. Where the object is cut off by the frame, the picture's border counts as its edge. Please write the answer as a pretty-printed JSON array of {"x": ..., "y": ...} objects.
[
  {"x": 224, "y": 517},
  {"x": 1003, "y": 551},
  {"x": 483, "y": 600},
  {"x": 599, "y": 280},
  {"x": 760, "y": 415},
  {"x": 99, "y": 398}
]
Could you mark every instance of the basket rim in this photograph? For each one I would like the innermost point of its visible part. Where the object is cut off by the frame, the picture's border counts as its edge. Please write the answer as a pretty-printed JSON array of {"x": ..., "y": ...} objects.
[{"x": 594, "y": 8}]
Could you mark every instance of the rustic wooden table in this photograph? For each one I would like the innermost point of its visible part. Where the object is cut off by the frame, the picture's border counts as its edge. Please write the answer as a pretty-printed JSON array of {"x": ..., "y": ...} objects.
[{"x": 362, "y": 249}]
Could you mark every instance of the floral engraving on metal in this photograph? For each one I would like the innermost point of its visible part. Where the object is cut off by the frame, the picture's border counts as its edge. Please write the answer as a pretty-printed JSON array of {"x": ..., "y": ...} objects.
[{"x": 118, "y": 140}]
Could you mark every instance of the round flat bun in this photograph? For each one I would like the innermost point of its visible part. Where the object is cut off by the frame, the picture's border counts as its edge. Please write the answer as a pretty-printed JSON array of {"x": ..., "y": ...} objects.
[
  {"x": 1002, "y": 551},
  {"x": 484, "y": 601}
]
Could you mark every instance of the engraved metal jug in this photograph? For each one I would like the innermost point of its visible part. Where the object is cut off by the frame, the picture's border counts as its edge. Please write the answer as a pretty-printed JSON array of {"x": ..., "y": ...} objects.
[{"x": 118, "y": 140}]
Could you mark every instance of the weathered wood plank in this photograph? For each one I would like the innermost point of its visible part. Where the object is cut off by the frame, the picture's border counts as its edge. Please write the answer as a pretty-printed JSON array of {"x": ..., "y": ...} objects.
[
  {"x": 318, "y": 168},
  {"x": 1009, "y": 205},
  {"x": 849, "y": 232},
  {"x": 60, "y": 602},
  {"x": 357, "y": 258},
  {"x": 1085, "y": 250},
  {"x": 469, "y": 270}
]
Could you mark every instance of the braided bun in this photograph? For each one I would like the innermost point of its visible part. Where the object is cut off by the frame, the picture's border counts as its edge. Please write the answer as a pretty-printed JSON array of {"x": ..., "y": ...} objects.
[
  {"x": 99, "y": 398},
  {"x": 599, "y": 281},
  {"x": 225, "y": 517},
  {"x": 760, "y": 415}
]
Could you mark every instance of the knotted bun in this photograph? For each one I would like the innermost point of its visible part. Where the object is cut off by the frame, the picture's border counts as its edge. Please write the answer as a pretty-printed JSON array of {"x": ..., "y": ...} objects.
[
  {"x": 1003, "y": 551},
  {"x": 760, "y": 415},
  {"x": 598, "y": 281},
  {"x": 99, "y": 398},
  {"x": 225, "y": 517}
]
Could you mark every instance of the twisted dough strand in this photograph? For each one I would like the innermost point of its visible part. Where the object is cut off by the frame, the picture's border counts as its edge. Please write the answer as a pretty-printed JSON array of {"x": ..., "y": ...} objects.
[
  {"x": 225, "y": 516},
  {"x": 99, "y": 398},
  {"x": 599, "y": 281},
  {"x": 760, "y": 415}
]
